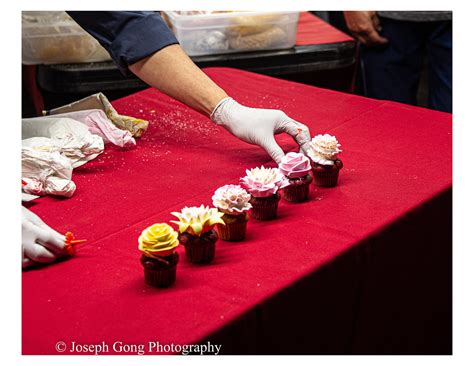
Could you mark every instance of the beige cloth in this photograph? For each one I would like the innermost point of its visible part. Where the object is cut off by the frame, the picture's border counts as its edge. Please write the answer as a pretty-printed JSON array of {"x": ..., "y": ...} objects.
[{"x": 99, "y": 101}]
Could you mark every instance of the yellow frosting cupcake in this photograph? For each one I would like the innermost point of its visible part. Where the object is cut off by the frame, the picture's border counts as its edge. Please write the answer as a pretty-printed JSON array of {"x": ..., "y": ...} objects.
[
  {"x": 197, "y": 220},
  {"x": 158, "y": 240}
]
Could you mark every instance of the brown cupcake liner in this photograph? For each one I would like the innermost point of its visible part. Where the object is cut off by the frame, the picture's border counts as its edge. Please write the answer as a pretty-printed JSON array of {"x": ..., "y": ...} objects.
[
  {"x": 326, "y": 175},
  {"x": 234, "y": 229},
  {"x": 157, "y": 272},
  {"x": 200, "y": 253},
  {"x": 163, "y": 277},
  {"x": 298, "y": 190},
  {"x": 199, "y": 249},
  {"x": 264, "y": 208}
]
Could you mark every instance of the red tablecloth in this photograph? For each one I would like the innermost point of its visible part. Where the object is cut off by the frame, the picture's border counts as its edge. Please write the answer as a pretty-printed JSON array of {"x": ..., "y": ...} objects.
[
  {"x": 397, "y": 159},
  {"x": 313, "y": 30}
]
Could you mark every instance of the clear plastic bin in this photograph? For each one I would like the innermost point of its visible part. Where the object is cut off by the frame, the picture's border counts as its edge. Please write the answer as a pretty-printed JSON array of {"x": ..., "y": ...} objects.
[
  {"x": 227, "y": 32},
  {"x": 52, "y": 37}
]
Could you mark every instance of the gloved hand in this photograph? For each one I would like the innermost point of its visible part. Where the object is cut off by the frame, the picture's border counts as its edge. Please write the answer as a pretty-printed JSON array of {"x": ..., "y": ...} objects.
[
  {"x": 258, "y": 126},
  {"x": 40, "y": 243}
]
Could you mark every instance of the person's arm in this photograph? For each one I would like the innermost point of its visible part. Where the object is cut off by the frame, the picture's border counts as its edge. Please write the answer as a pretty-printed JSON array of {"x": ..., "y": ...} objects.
[
  {"x": 128, "y": 36},
  {"x": 163, "y": 64},
  {"x": 172, "y": 71},
  {"x": 365, "y": 26}
]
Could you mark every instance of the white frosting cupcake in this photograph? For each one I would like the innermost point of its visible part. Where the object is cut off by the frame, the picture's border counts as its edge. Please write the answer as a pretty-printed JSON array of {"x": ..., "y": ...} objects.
[
  {"x": 231, "y": 199},
  {"x": 324, "y": 149}
]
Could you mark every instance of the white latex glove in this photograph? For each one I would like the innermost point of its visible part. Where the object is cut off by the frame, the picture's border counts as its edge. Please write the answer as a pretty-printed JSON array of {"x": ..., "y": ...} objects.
[
  {"x": 40, "y": 243},
  {"x": 258, "y": 126}
]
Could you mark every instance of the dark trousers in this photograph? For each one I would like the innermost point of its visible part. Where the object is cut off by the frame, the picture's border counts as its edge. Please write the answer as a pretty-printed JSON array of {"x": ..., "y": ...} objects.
[{"x": 393, "y": 71}]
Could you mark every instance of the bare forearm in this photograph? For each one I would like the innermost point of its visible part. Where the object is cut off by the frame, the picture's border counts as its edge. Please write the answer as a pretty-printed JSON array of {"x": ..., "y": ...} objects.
[{"x": 171, "y": 71}]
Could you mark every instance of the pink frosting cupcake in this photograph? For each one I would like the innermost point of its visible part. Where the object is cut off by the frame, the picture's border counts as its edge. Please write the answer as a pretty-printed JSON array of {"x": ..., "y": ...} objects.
[
  {"x": 263, "y": 185},
  {"x": 296, "y": 168}
]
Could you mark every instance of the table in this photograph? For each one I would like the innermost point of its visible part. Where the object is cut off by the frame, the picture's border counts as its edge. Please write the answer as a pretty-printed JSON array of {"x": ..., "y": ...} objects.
[
  {"x": 323, "y": 56},
  {"x": 363, "y": 268}
]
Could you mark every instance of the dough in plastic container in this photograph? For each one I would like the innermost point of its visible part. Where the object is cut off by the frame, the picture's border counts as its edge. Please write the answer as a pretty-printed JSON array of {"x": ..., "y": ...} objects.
[
  {"x": 248, "y": 25},
  {"x": 268, "y": 39},
  {"x": 80, "y": 48}
]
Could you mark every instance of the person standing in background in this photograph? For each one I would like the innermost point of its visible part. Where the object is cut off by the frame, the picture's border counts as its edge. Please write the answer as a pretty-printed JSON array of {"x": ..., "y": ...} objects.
[{"x": 394, "y": 45}]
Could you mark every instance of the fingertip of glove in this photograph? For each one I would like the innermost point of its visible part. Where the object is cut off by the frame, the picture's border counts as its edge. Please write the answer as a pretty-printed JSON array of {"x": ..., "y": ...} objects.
[{"x": 277, "y": 156}]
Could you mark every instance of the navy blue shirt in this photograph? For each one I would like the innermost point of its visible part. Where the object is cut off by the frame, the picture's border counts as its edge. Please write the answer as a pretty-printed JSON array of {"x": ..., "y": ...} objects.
[{"x": 128, "y": 36}]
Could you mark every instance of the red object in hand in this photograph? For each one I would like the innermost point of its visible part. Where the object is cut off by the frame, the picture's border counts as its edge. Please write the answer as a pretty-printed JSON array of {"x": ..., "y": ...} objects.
[{"x": 70, "y": 243}]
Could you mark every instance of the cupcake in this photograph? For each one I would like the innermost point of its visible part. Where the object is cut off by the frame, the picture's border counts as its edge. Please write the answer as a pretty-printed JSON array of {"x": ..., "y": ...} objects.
[
  {"x": 263, "y": 185},
  {"x": 197, "y": 234},
  {"x": 296, "y": 168},
  {"x": 233, "y": 202},
  {"x": 158, "y": 245},
  {"x": 325, "y": 164}
]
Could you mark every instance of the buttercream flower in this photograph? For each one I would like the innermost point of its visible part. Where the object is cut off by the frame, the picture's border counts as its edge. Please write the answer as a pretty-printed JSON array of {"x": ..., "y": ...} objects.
[
  {"x": 197, "y": 220},
  {"x": 294, "y": 165},
  {"x": 324, "y": 149},
  {"x": 231, "y": 199},
  {"x": 158, "y": 240},
  {"x": 264, "y": 182}
]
